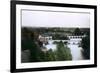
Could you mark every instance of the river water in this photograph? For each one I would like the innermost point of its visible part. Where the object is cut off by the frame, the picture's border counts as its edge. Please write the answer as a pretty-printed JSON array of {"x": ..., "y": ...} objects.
[{"x": 73, "y": 44}]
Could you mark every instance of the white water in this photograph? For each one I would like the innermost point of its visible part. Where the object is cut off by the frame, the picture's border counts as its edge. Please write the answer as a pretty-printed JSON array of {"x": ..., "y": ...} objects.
[
  {"x": 76, "y": 52},
  {"x": 73, "y": 45}
]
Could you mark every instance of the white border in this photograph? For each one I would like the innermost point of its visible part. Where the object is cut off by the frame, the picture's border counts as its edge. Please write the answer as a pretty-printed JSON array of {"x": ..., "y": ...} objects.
[{"x": 20, "y": 65}]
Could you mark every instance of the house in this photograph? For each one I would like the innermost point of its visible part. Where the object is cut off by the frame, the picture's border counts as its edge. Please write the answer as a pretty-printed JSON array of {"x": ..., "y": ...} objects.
[{"x": 44, "y": 38}]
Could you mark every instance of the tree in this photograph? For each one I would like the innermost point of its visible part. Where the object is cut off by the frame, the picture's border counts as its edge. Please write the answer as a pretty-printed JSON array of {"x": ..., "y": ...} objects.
[
  {"x": 77, "y": 31},
  {"x": 25, "y": 39},
  {"x": 86, "y": 46},
  {"x": 50, "y": 55},
  {"x": 62, "y": 52},
  {"x": 28, "y": 43}
]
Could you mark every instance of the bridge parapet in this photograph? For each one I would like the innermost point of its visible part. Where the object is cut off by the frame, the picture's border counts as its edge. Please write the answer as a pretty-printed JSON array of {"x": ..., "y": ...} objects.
[{"x": 76, "y": 37}]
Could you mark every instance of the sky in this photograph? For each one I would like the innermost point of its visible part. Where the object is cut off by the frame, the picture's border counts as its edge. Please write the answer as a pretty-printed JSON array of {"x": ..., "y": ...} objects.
[{"x": 55, "y": 19}]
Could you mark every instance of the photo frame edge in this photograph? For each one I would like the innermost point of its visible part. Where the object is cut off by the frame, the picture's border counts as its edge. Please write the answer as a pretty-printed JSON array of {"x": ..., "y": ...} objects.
[{"x": 13, "y": 36}]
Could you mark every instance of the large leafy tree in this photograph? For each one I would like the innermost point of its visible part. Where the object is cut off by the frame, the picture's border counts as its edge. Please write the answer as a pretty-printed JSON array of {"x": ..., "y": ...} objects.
[
  {"x": 50, "y": 55},
  {"x": 77, "y": 31},
  {"x": 62, "y": 52},
  {"x": 28, "y": 43},
  {"x": 86, "y": 46}
]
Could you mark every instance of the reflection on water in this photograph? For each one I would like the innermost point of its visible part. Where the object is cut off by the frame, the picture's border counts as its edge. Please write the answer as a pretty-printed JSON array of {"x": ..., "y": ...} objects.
[{"x": 73, "y": 44}]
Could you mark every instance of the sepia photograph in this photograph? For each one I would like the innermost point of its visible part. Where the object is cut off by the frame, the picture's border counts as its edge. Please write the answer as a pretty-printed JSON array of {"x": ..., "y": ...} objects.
[{"x": 54, "y": 36}]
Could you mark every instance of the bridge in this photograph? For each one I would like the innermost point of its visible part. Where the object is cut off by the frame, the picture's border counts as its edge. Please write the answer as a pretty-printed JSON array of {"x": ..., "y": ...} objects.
[{"x": 75, "y": 37}]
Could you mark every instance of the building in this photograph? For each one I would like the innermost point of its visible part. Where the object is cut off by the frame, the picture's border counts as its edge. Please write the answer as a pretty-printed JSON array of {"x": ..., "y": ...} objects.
[{"x": 44, "y": 38}]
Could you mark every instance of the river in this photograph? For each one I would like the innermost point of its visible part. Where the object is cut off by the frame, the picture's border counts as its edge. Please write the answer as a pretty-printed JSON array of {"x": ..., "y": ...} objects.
[{"x": 73, "y": 44}]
